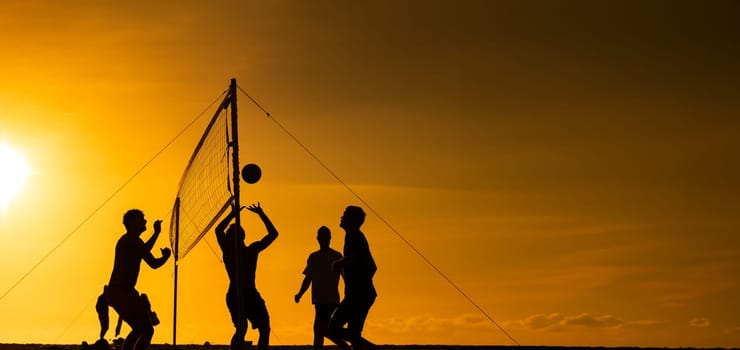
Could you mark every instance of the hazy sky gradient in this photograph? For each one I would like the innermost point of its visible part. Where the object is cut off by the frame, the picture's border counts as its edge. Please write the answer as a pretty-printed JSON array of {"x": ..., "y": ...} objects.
[{"x": 571, "y": 165}]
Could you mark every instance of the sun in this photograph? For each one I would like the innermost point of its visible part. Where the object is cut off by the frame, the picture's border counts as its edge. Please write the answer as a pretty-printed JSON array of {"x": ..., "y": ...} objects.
[{"x": 14, "y": 171}]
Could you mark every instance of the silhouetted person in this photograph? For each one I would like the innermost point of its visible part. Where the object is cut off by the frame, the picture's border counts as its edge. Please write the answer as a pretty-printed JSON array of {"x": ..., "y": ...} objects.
[
  {"x": 121, "y": 292},
  {"x": 243, "y": 292},
  {"x": 358, "y": 268},
  {"x": 324, "y": 284}
]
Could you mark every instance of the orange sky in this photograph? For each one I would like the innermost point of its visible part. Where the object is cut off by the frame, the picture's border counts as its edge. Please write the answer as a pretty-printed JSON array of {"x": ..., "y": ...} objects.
[{"x": 570, "y": 165}]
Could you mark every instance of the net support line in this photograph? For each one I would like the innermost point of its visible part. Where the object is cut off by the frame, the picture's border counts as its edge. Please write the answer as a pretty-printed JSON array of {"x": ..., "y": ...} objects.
[{"x": 377, "y": 214}]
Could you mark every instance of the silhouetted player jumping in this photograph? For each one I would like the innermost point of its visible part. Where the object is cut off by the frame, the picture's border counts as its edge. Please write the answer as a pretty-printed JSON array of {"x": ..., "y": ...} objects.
[
  {"x": 243, "y": 294},
  {"x": 324, "y": 284},
  {"x": 121, "y": 292},
  {"x": 358, "y": 268}
]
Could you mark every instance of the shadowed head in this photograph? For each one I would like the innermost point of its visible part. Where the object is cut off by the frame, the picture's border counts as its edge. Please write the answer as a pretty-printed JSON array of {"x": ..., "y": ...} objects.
[
  {"x": 134, "y": 221},
  {"x": 238, "y": 229},
  {"x": 324, "y": 236},
  {"x": 352, "y": 218}
]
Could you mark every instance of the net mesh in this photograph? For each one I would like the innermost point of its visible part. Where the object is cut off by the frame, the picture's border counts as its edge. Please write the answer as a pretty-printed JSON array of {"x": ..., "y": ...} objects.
[{"x": 204, "y": 192}]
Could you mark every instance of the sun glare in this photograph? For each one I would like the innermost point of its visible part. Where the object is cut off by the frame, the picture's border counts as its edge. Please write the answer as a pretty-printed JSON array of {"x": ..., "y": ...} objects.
[{"x": 13, "y": 174}]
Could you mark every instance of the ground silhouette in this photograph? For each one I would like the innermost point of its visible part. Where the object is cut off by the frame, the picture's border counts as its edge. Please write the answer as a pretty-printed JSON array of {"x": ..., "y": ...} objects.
[{"x": 378, "y": 347}]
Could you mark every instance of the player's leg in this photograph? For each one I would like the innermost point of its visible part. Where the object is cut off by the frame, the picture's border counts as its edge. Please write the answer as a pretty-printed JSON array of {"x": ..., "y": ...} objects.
[
  {"x": 321, "y": 323},
  {"x": 137, "y": 317},
  {"x": 356, "y": 322},
  {"x": 337, "y": 332},
  {"x": 239, "y": 321},
  {"x": 141, "y": 324},
  {"x": 263, "y": 327},
  {"x": 260, "y": 319},
  {"x": 318, "y": 336},
  {"x": 128, "y": 305}
]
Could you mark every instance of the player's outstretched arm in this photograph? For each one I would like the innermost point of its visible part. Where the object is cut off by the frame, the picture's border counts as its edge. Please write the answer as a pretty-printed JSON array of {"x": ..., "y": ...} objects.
[
  {"x": 156, "y": 263},
  {"x": 272, "y": 232},
  {"x": 153, "y": 239},
  {"x": 304, "y": 287},
  {"x": 221, "y": 227}
]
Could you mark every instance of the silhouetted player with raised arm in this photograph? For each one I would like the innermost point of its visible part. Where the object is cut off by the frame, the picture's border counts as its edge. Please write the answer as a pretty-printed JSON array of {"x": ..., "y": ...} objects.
[
  {"x": 121, "y": 292},
  {"x": 244, "y": 291},
  {"x": 324, "y": 284},
  {"x": 358, "y": 268}
]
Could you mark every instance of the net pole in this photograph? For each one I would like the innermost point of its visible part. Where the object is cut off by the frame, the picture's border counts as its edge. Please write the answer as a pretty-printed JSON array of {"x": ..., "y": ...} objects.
[
  {"x": 237, "y": 205},
  {"x": 177, "y": 253}
]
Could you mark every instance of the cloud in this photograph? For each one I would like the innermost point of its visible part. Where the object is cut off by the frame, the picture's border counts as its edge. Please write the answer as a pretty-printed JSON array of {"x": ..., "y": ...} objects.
[
  {"x": 555, "y": 322},
  {"x": 699, "y": 322},
  {"x": 732, "y": 330},
  {"x": 429, "y": 323},
  {"x": 592, "y": 321},
  {"x": 541, "y": 321}
]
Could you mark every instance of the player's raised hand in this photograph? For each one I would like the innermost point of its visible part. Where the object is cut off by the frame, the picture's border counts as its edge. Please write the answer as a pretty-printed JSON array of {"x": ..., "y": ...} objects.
[
  {"x": 256, "y": 208},
  {"x": 166, "y": 252},
  {"x": 157, "y": 226}
]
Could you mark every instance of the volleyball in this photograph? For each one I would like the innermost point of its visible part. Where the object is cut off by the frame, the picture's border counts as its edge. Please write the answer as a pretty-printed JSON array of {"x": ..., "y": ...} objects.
[{"x": 251, "y": 173}]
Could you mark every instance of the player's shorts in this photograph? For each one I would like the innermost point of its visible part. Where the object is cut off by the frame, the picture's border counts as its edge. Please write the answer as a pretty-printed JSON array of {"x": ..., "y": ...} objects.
[
  {"x": 129, "y": 305},
  {"x": 253, "y": 307}
]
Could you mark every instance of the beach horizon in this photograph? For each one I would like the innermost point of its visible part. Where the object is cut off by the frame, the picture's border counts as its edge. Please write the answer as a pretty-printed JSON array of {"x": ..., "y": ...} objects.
[{"x": 209, "y": 346}]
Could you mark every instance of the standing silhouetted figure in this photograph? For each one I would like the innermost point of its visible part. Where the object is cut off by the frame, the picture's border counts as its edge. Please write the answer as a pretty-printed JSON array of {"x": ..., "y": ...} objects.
[
  {"x": 324, "y": 284},
  {"x": 243, "y": 299},
  {"x": 358, "y": 268},
  {"x": 121, "y": 292}
]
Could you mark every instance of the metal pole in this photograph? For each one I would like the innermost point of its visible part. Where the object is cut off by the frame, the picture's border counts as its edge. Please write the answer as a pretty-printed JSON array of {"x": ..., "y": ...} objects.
[
  {"x": 237, "y": 205},
  {"x": 177, "y": 253}
]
